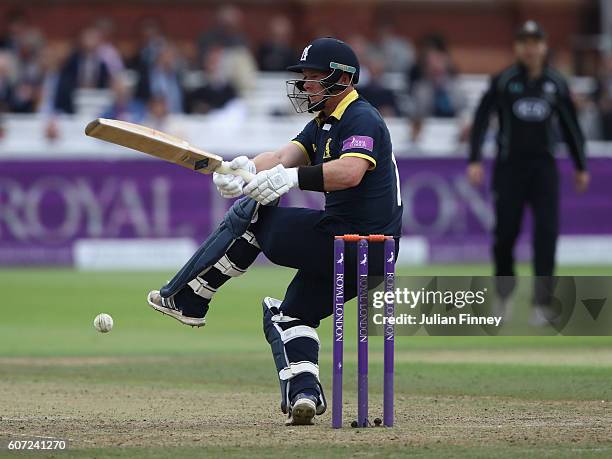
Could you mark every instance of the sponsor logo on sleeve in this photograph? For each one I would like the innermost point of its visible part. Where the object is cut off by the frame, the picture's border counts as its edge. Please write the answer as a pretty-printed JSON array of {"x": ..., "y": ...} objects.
[{"x": 362, "y": 142}]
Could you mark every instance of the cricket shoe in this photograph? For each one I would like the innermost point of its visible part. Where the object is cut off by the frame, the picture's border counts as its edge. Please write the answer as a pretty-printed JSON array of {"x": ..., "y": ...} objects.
[
  {"x": 168, "y": 307},
  {"x": 543, "y": 316},
  {"x": 503, "y": 307},
  {"x": 302, "y": 411}
]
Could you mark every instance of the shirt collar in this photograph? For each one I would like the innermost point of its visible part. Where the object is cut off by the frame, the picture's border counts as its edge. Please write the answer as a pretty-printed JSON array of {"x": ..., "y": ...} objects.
[{"x": 342, "y": 106}]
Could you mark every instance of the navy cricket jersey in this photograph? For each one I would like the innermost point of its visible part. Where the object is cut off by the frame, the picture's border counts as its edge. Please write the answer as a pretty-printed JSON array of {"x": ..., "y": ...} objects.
[
  {"x": 355, "y": 128},
  {"x": 528, "y": 111}
]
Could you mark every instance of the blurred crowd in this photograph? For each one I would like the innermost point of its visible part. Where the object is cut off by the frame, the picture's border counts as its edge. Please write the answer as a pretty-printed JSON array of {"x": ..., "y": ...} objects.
[{"x": 218, "y": 72}]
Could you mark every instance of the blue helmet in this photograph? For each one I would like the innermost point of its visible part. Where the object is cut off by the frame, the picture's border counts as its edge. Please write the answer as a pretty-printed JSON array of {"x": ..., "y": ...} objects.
[{"x": 326, "y": 55}]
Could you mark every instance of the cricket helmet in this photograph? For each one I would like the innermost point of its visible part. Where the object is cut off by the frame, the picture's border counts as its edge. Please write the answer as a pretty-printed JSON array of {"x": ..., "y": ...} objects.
[{"x": 326, "y": 55}]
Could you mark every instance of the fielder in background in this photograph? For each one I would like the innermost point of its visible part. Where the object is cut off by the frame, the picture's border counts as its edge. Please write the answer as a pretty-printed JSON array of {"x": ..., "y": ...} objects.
[
  {"x": 528, "y": 99},
  {"x": 344, "y": 152}
]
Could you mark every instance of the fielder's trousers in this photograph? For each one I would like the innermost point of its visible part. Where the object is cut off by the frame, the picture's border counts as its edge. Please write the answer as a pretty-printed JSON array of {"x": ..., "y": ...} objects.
[{"x": 517, "y": 185}]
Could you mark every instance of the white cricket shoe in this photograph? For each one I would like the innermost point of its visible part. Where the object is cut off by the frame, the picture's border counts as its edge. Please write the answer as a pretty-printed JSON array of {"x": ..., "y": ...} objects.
[
  {"x": 168, "y": 307},
  {"x": 302, "y": 411}
]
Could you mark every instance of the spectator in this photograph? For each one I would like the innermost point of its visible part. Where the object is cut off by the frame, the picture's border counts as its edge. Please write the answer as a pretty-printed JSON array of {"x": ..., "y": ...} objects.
[
  {"x": 226, "y": 33},
  {"x": 15, "y": 96},
  {"x": 216, "y": 91},
  {"x": 124, "y": 106},
  {"x": 437, "y": 94},
  {"x": 428, "y": 43},
  {"x": 158, "y": 117},
  {"x": 364, "y": 50},
  {"x": 241, "y": 69},
  {"x": 48, "y": 96},
  {"x": 50, "y": 75},
  {"x": 381, "y": 97},
  {"x": 163, "y": 80},
  {"x": 28, "y": 72},
  {"x": 276, "y": 54},
  {"x": 152, "y": 42},
  {"x": 157, "y": 113},
  {"x": 6, "y": 82},
  {"x": 238, "y": 62},
  {"x": 603, "y": 96},
  {"x": 84, "y": 68},
  {"x": 28, "y": 54},
  {"x": 398, "y": 53},
  {"x": 107, "y": 51},
  {"x": 16, "y": 26}
]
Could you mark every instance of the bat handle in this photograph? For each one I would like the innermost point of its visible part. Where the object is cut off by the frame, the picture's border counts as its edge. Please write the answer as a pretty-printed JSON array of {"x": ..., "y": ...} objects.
[{"x": 225, "y": 169}]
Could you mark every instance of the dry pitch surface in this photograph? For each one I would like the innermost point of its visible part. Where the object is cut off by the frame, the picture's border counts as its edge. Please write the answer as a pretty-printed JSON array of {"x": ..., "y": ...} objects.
[{"x": 115, "y": 418}]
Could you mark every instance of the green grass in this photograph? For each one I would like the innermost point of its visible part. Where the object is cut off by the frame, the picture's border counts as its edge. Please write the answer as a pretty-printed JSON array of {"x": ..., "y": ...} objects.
[{"x": 47, "y": 315}]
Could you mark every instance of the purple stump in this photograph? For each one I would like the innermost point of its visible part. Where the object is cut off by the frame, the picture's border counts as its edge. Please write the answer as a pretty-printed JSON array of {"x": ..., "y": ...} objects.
[
  {"x": 362, "y": 333},
  {"x": 338, "y": 335},
  {"x": 389, "y": 335}
]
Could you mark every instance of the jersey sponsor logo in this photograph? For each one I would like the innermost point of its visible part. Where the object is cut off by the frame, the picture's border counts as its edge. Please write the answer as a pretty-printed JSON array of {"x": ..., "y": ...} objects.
[
  {"x": 531, "y": 109},
  {"x": 305, "y": 53},
  {"x": 363, "y": 142}
]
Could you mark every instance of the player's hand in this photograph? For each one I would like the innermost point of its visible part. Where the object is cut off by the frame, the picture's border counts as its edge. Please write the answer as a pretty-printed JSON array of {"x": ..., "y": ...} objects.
[
  {"x": 230, "y": 186},
  {"x": 269, "y": 185},
  {"x": 582, "y": 180},
  {"x": 475, "y": 174}
]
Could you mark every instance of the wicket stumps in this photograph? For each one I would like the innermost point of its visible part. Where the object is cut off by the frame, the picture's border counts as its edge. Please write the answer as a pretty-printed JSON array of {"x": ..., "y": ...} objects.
[{"x": 362, "y": 328}]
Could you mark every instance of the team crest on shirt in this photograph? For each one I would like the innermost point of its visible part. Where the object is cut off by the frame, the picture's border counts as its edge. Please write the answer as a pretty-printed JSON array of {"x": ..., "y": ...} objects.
[{"x": 327, "y": 153}]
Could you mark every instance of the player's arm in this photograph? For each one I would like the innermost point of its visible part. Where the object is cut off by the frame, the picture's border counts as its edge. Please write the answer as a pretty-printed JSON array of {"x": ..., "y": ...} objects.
[
  {"x": 291, "y": 155},
  {"x": 475, "y": 171},
  {"x": 340, "y": 174},
  {"x": 481, "y": 122},
  {"x": 344, "y": 173},
  {"x": 573, "y": 137},
  {"x": 269, "y": 185},
  {"x": 571, "y": 128},
  {"x": 357, "y": 155}
]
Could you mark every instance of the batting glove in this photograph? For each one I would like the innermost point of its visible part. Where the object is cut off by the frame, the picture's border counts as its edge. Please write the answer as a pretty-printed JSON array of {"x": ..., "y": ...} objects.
[
  {"x": 269, "y": 185},
  {"x": 230, "y": 186}
]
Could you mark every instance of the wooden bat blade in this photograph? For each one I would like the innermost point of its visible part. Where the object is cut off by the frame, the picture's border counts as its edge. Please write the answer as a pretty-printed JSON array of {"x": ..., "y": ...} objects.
[{"x": 154, "y": 143}]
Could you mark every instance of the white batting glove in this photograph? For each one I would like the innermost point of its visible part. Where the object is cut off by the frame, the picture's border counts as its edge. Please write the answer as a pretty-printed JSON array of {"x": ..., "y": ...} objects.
[
  {"x": 230, "y": 186},
  {"x": 267, "y": 186}
]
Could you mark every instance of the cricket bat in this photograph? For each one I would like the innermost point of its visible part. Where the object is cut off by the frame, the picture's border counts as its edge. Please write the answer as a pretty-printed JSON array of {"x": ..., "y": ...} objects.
[{"x": 161, "y": 145}]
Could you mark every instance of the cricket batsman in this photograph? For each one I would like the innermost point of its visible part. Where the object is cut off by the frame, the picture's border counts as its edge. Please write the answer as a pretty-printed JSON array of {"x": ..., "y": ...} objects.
[{"x": 344, "y": 152}]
